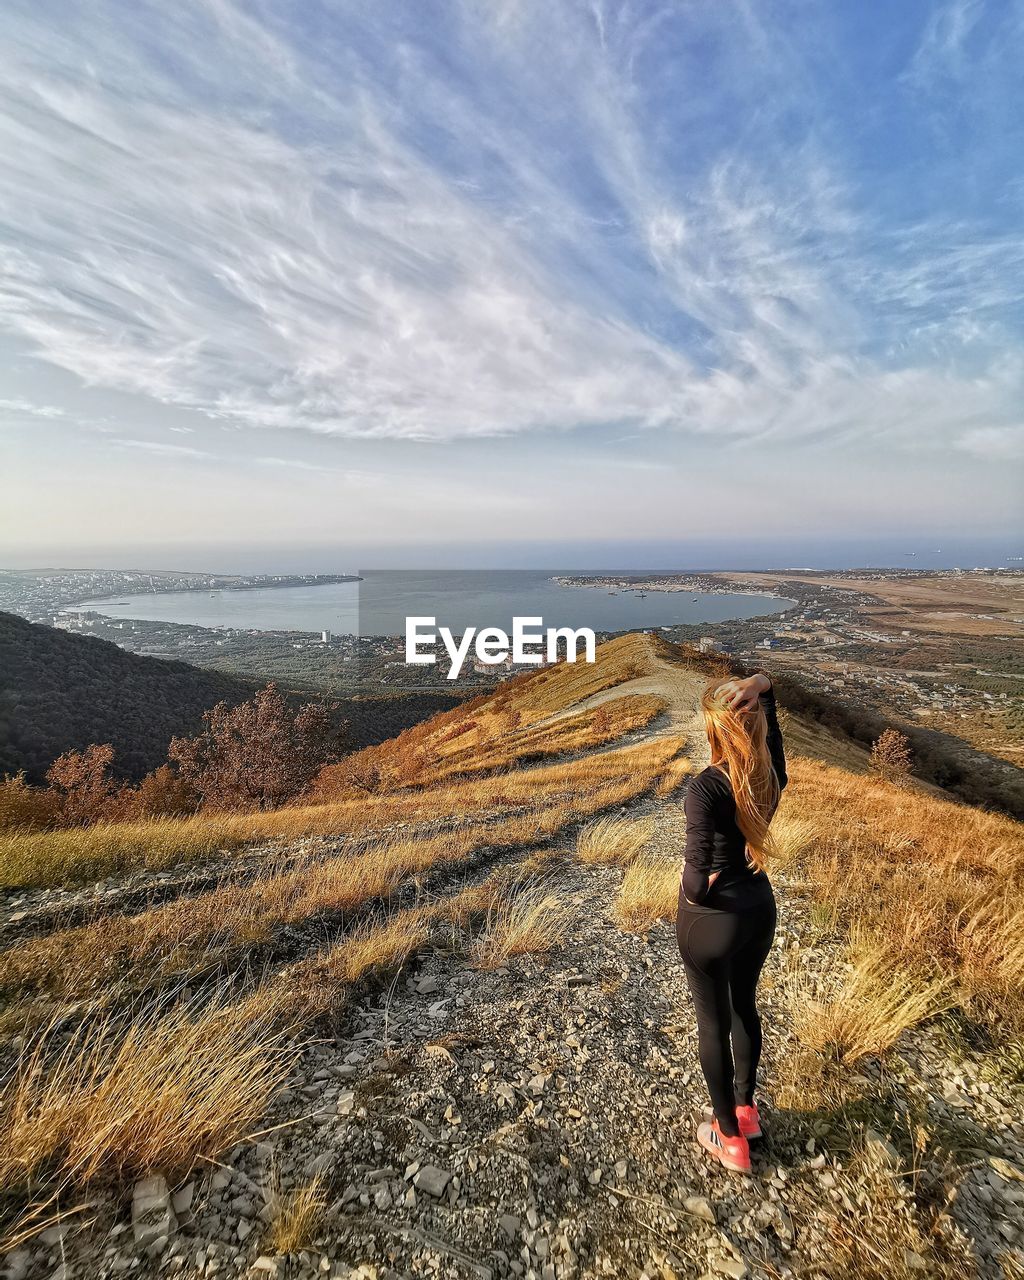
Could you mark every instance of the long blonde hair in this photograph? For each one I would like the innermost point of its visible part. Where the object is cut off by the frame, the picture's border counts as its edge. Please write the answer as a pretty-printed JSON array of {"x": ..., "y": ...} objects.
[{"x": 739, "y": 743}]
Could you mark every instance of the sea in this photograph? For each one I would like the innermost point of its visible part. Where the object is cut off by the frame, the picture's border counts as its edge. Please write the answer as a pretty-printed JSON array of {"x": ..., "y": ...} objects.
[{"x": 381, "y": 602}]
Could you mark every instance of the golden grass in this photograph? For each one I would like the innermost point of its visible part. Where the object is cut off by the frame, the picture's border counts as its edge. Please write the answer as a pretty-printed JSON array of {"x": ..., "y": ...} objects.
[
  {"x": 192, "y": 935},
  {"x": 514, "y": 723},
  {"x": 78, "y": 855},
  {"x": 612, "y": 841},
  {"x": 492, "y": 745},
  {"x": 938, "y": 883},
  {"x": 533, "y": 919},
  {"x": 649, "y": 893},
  {"x": 296, "y": 1216},
  {"x": 674, "y": 775},
  {"x": 886, "y": 1227},
  {"x": 123, "y": 1097}
]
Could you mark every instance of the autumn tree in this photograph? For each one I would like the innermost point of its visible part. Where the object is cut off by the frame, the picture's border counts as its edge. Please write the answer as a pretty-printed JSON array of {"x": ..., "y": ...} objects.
[
  {"x": 160, "y": 794},
  {"x": 259, "y": 754},
  {"x": 891, "y": 757},
  {"x": 81, "y": 783}
]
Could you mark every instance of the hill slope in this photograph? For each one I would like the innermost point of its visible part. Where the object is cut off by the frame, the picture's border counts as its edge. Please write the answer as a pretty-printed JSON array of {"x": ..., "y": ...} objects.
[
  {"x": 61, "y": 692},
  {"x": 438, "y": 1025}
]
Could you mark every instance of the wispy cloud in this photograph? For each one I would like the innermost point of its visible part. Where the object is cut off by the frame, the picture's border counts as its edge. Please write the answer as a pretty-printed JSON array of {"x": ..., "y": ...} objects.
[
  {"x": 159, "y": 448},
  {"x": 515, "y": 218}
]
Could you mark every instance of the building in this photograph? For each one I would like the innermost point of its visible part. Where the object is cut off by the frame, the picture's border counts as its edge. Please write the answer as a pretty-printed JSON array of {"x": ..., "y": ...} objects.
[
  {"x": 325, "y": 636},
  {"x": 707, "y": 644}
]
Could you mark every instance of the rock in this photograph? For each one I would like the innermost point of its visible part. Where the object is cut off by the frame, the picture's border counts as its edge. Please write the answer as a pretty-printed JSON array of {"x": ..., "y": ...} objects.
[
  {"x": 734, "y": 1267},
  {"x": 244, "y": 1229},
  {"x": 914, "y": 1260},
  {"x": 427, "y": 985},
  {"x": 510, "y": 1224},
  {"x": 152, "y": 1214},
  {"x": 699, "y": 1207},
  {"x": 431, "y": 1180},
  {"x": 182, "y": 1198},
  {"x": 264, "y": 1263},
  {"x": 346, "y": 1102}
]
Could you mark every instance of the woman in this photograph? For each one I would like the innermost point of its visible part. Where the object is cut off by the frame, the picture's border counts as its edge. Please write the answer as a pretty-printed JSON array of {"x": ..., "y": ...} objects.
[{"x": 726, "y": 918}]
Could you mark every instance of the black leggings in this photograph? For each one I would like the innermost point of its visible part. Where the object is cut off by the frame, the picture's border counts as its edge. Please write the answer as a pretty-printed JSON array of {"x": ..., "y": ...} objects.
[{"x": 723, "y": 954}]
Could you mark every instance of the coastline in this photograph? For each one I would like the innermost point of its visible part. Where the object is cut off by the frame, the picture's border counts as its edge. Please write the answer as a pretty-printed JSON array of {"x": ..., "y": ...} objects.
[{"x": 697, "y": 583}]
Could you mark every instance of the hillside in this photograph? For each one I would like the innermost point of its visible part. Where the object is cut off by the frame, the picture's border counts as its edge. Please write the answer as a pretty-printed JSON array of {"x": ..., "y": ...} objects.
[
  {"x": 430, "y": 1020},
  {"x": 61, "y": 692}
]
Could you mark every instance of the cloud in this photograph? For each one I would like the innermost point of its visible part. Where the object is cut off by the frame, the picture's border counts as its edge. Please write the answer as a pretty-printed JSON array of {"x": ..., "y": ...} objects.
[
  {"x": 159, "y": 448},
  {"x": 524, "y": 219},
  {"x": 998, "y": 444},
  {"x": 26, "y": 408}
]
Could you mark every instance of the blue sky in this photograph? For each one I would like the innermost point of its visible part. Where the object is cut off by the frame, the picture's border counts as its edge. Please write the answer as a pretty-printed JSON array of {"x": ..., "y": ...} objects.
[{"x": 485, "y": 271}]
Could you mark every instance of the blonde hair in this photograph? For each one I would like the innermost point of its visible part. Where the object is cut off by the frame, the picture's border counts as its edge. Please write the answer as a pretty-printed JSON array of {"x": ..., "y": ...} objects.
[{"x": 739, "y": 743}]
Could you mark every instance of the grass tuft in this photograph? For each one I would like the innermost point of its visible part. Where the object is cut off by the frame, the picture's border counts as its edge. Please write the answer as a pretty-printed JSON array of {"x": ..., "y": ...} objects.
[
  {"x": 296, "y": 1216},
  {"x": 532, "y": 919},
  {"x": 649, "y": 893},
  {"x": 612, "y": 841},
  {"x": 126, "y": 1096}
]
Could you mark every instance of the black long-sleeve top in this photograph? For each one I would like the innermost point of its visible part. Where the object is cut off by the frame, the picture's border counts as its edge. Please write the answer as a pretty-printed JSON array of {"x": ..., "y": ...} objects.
[{"x": 714, "y": 841}]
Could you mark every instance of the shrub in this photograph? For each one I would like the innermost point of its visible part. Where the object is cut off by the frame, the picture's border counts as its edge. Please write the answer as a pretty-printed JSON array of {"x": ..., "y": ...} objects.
[
  {"x": 26, "y": 808},
  {"x": 81, "y": 784},
  {"x": 260, "y": 753},
  {"x": 891, "y": 757}
]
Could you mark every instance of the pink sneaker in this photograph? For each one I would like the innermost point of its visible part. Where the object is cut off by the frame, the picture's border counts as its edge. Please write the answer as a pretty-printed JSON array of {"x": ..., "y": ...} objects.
[
  {"x": 734, "y": 1153},
  {"x": 749, "y": 1121}
]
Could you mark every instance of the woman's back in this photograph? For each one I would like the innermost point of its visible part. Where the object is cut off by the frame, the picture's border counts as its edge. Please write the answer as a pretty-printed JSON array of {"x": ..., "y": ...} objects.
[{"x": 714, "y": 841}]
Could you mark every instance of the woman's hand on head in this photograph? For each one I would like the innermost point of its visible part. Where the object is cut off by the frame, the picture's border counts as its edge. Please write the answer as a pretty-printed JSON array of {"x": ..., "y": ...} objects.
[{"x": 741, "y": 695}]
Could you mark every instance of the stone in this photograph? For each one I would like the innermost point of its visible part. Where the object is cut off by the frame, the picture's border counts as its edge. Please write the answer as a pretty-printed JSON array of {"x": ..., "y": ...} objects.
[
  {"x": 509, "y": 1223},
  {"x": 183, "y": 1197},
  {"x": 700, "y": 1207},
  {"x": 431, "y": 1180},
  {"x": 736, "y": 1268},
  {"x": 152, "y": 1213}
]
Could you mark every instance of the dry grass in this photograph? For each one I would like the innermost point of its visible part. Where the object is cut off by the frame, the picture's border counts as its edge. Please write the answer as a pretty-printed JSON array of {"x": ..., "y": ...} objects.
[
  {"x": 876, "y": 1003},
  {"x": 939, "y": 884},
  {"x": 124, "y": 1097},
  {"x": 532, "y": 919},
  {"x": 612, "y": 841},
  {"x": 78, "y": 855},
  {"x": 296, "y": 1216},
  {"x": 674, "y": 775},
  {"x": 649, "y": 893},
  {"x": 885, "y": 1227},
  {"x": 194, "y": 935}
]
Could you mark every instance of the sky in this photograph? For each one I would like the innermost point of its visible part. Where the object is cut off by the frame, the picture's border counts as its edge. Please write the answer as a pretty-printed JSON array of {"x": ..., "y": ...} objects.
[{"x": 507, "y": 274}]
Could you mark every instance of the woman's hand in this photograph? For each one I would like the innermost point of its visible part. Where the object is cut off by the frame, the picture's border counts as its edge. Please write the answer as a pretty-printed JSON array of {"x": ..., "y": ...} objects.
[
  {"x": 742, "y": 695},
  {"x": 711, "y": 880}
]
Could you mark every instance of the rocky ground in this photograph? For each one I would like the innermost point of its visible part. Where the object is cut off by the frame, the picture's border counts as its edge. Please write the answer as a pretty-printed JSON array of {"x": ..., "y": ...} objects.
[{"x": 537, "y": 1121}]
